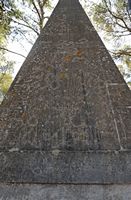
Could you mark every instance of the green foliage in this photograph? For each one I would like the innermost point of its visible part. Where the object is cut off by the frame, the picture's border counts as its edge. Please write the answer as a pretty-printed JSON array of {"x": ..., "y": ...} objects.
[
  {"x": 18, "y": 20},
  {"x": 6, "y": 69},
  {"x": 5, "y": 81},
  {"x": 112, "y": 17},
  {"x": 8, "y": 11},
  {"x": 36, "y": 8}
]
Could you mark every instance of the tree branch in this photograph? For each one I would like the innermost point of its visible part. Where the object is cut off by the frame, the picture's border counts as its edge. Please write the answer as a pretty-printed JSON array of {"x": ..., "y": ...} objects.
[
  {"x": 121, "y": 53},
  {"x": 30, "y": 27},
  {"x": 12, "y": 52},
  {"x": 36, "y": 9},
  {"x": 118, "y": 18}
]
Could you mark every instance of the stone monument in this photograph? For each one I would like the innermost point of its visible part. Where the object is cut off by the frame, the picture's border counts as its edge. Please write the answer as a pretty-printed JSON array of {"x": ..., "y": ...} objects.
[{"x": 65, "y": 124}]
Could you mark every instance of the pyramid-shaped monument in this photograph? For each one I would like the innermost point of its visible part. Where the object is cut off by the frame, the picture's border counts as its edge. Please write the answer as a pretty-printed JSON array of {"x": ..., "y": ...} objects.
[{"x": 65, "y": 124}]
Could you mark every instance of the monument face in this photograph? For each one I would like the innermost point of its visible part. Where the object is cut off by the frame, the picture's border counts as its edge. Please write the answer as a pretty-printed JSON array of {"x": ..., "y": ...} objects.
[{"x": 66, "y": 118}]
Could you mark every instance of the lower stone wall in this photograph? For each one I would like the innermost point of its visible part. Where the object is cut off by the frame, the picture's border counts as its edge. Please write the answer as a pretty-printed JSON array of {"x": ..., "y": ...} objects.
[
  {"x": 64, "y": 192},
  {"x": 65, "y": 167}
]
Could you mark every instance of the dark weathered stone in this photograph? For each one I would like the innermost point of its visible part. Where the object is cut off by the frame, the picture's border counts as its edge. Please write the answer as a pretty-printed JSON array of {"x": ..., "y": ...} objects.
[
  {"x": 65, "y": 192},
  {"x": 66, "y": 167},
  {"x": 67, "y": 117},
  {"x": 66, "y": 93}
]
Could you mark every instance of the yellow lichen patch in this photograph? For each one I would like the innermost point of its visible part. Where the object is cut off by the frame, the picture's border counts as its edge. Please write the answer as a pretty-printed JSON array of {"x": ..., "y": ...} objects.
[
  {"x": 82, "y": 136},
  {"x": 68, "y": 58},
  {"x": 49, "y": 69},
  {"x": 62, "y": 75}
]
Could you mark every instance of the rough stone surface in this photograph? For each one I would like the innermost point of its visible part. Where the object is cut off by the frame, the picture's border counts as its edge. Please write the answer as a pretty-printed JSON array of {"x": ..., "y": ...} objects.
[
  {"x": 66, "y": 167},
  {"x": 66, "y": 118},
  {"x": 68, "y": 95},
  {"x": 65, "y": 192}
]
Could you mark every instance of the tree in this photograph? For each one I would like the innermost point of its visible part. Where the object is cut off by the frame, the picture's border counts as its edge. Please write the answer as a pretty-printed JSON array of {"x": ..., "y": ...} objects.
[
  {"x": 24, "y": 20},
  {"x": 113, "y": 19},
  {"x": 6, "y": 67},
  {"x": 8, "y": 11},
  {"x": 38, "y": 7},
  {"x": 32, "y": 19},
  {"x": 16, "y": 22}
]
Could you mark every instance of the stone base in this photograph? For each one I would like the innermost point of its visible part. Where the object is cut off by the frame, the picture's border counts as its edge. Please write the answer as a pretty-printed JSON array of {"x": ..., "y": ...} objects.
[
  {"x": 64, "y": 192},
  {"x": 66, "y": 167}
]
